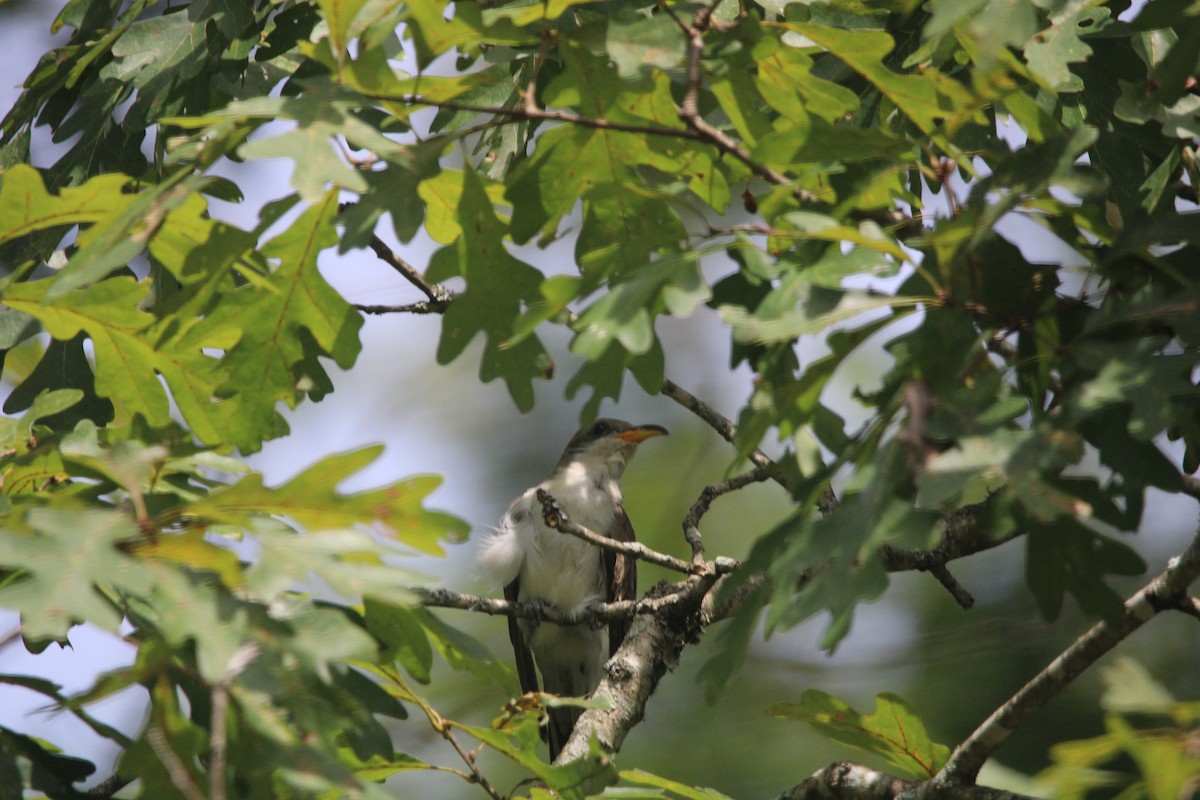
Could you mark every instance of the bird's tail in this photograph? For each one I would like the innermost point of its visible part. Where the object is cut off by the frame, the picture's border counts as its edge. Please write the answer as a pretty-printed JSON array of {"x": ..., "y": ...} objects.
[
  {"x": 562, "y": 722},
  {"x": 570, "y": 680}
]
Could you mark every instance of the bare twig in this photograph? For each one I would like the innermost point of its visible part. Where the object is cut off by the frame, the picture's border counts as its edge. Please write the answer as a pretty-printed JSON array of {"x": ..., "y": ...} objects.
[
  {"x": 424, "y": 307},
  {"x": 728, "y": 431},
  {"x": 719, "y": 423},
  {"x": 438, "y": 295},
  {"x": 1160, "y": 594},
  {"x": 554, "y": 517},
  {"x": 217, "y": 742},
  {"x": 600, "y": 612},
  {"x": 108, "y": 787},
  {"x": 956, "y": 589},
  {"x": 527, "y": 113},
  {"x": 691, "y": 523},
  {"x": 962, "y": 536},
  {"x": 445, "y": 728},
  {"x": 665, "y": 596},
  {"x": 218, "y": 735},
  {"x": 176, "y": 769}
]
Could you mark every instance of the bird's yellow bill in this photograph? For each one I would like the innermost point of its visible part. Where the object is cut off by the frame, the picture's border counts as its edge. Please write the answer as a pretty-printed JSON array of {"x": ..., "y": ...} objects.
[{"x": 641, "y": 434}]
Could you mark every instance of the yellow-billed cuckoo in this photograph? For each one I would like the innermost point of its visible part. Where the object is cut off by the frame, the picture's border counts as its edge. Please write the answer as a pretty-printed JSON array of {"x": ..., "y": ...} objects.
[{"x": 537, "y": 564}]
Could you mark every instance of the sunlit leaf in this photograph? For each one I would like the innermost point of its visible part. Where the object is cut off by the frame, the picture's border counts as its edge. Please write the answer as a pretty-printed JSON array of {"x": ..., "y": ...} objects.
[{"x": 894, "y": 731}]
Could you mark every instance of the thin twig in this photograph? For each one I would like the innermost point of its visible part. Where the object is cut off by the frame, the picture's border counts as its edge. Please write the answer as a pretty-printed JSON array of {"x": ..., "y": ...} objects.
[
  {"x": 176, "y": 770},
  {"x": 217, "y": 742},
  {"x": 535, "y": 113},
  {"x": 956, "y": 589},
  {"x": 437, "y": 294},
  {"x": 689, "y": 109},
  {"x": 691, "y": 523},
  {"x": 424, "y": 307},
  {"x": 444, "y": 728},
  {"x": 219, "y": 735},
  {"x": 1160, "y": 594},
  {"x": 554, "y": 517},
  {"x": 599, "y": 612},
  {"x": 108, "y": 787},
  {"x": 719, "y": 423}
]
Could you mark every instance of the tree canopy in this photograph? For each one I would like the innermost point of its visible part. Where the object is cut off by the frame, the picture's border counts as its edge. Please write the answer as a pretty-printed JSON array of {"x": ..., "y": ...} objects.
[{"x": 852, "y": 175}]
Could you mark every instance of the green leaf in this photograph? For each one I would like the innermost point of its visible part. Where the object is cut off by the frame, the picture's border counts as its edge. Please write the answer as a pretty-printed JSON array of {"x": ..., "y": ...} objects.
[
  {"x": 643, "y": 778},
  {"x": 672, "y": 283},
  {"x": 639, "y": 44},
  {"x": 894, "y": 731},
  {"x": 26, "y": 206},
  {"x": 843, "y": 547},
  {"x": 295, "y": 317},
  {"x": 63, "y": 366},
  {"x": 109, "y": 313},
  {"x": 311, "y": 500},
  {"x": 621, "y": 227},
  {"x": 800, "y": 307},
  {"x": 1065, "y": 556},
  {"x": 497, "y": 286},
  {"x": 340, "y": 15},
  {"x": 1131, "y": 689},
  {"x": 925, "y": 98},
  {"x": 442, "y": 195},
  {"x": 1050, "y": 51},
  {"x": 49, "y": 771},
  {"x": 606, "y": 374},
  {"x": 68, "y": 559},
  {"x": 399, "y": 629},
  {"x": 519, "y": 740},
  {"x": 15, "y": 432}
]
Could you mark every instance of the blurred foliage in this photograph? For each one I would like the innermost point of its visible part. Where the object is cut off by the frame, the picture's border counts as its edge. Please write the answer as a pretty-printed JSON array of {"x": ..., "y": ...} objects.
[
  {"x": 1149, "y": 750},
  {"x": 846, "y": 156}
]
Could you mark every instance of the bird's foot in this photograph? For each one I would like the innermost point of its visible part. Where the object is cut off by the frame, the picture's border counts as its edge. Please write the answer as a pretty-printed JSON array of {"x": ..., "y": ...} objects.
[
  {"x": 591, "y": 616},
  {"x": 540, "y": 606}
]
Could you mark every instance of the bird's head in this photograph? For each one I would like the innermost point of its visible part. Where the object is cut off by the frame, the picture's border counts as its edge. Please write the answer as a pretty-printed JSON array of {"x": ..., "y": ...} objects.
[{"x": 608, "y": 444}]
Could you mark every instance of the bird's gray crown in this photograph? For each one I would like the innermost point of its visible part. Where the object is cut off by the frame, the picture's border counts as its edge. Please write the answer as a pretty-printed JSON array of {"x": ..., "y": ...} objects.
[{"x": 607, "y": 429}]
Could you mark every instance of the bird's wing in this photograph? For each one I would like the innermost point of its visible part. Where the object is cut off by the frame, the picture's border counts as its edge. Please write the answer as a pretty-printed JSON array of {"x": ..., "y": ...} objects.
[
  {"x": 620, "y": 573},
  {"x": 524, "y": 658}
]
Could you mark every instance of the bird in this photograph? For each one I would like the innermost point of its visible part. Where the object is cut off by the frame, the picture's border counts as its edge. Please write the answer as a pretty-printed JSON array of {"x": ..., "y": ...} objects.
[{"x": 535, "y": 563}]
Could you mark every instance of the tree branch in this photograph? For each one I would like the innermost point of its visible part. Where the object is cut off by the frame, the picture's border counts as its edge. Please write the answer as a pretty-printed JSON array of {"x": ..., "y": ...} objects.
[
  {"x": 554, "y": 517},
  {"x": 847, "y": 781},
  {"x": 534, "y": 113},
  {"x": 178, "y": 772},
  {"x": 665, "y": 595},
  {"x": 1161, "y": 594},
  {"x": 1189, "y": 605},
  {"x": 437, "y": 294},
  {"x": 651, "y": 647},
  {"x": 691, "y": 523},
  {"x": 721, "y": 424},
  {"x": 424, "y": 307},
  {"x": 1191, "y": 486}
]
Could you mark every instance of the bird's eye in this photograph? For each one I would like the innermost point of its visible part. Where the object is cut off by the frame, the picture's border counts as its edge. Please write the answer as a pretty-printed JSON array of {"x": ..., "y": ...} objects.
[{"x": 602, "y": 428}]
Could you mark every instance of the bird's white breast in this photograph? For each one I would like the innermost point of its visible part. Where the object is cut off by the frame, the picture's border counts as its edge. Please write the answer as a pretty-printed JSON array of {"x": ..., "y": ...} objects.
[{"x": 559, "y": 568}]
